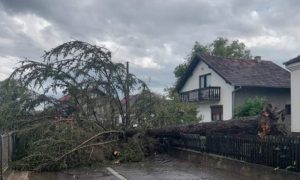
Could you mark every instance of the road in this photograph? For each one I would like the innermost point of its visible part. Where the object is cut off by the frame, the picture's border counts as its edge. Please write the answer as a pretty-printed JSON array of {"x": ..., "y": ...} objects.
[{"x": 159, "y": 167}]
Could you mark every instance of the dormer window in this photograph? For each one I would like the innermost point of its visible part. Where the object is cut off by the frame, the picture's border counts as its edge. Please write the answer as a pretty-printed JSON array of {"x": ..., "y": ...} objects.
[{"x": 204, "y": 81}]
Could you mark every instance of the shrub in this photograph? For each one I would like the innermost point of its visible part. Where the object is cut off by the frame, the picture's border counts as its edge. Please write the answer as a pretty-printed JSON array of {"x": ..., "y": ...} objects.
[{"x": 251, "y": 107}]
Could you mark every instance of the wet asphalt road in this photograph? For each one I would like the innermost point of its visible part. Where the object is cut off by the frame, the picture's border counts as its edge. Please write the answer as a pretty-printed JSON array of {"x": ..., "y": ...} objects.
[
  {"x": 166, "y": 167},
  {"x": 158, "y": 167}
]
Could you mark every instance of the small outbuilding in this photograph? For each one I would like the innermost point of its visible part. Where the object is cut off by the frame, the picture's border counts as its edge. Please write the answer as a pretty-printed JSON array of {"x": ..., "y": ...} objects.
[{"x": 294, "y": 66}]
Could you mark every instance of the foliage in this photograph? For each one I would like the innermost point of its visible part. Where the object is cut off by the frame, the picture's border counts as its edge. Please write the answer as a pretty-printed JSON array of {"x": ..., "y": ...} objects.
[
  {"x": 83, "y": 71},
  {"x": 96, "y": 86},
  {"x": 14, "y": 104},
  {"x": 46, "y": 139},
  {"x": 137, "y": 148},
  {"x": 219, "y": 47},
  {"x": 222, "y": 47},
  {"x": 251, "y": 107},
  {"x": 39, "y": 146},
  {"x": 197, "y": 49},
  {"x": 171, "y": 111},
  {"x": 151, "y": 110},
  {"x": 60, "y": 144}
]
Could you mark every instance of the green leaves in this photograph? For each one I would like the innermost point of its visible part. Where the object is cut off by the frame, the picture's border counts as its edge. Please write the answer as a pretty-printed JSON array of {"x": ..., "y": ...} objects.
[
  {"x": 220, "y": 47},
  {"x": 251, "y": 107},
  {"x": 151, "y": 110},
  {"x": 180, "y": 70},
  {"x": 14, "y": 99},
  {"x": 82, "y": 70}
]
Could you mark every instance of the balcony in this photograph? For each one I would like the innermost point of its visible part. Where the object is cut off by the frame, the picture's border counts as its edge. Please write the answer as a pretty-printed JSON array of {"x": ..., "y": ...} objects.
[{"x": 209, "y": 94}]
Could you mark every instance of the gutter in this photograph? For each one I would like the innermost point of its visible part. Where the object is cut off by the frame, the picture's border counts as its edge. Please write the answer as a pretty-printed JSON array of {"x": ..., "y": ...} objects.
[{"x": 233, "y": 98}]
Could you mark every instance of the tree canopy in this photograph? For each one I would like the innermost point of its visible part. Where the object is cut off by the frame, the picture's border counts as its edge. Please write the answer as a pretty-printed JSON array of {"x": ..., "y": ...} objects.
[
  {"x": 220, "y": 47},
  {"x": 84, "y": 72}
]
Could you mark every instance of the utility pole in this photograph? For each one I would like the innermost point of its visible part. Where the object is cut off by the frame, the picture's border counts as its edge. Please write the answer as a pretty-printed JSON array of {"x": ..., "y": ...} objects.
[{"x": 127, "y": 97}]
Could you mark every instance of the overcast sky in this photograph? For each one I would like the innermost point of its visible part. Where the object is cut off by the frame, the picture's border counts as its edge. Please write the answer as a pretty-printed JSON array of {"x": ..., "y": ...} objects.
[{"x": 153, "y": 35}]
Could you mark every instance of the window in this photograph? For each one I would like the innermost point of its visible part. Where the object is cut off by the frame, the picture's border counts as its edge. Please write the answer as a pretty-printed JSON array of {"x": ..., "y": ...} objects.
[
  {"x": 216, "y": 113},
  {"x": 205, "y": 81}
]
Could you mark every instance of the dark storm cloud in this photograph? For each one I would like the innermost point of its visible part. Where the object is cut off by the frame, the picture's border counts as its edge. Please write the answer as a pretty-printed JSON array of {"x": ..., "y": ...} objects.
[{"x": 153, "y": 35}]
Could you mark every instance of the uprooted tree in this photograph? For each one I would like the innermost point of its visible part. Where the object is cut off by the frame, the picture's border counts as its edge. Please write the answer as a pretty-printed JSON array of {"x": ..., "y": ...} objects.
[
  {"x": 95, "y": 85},
  {"x": 81, "y": 127},
  {"x": 269, "y": 122}
]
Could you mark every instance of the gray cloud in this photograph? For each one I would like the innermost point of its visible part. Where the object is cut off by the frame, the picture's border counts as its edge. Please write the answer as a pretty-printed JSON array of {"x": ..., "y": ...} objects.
[{"x": 155, "y": 35}]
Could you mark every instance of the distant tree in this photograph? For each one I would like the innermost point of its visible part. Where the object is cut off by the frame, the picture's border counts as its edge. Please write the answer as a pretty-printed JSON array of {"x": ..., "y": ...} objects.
[
  {"x": 220, "y": 47},
  {"x": 197, "y": 48}
]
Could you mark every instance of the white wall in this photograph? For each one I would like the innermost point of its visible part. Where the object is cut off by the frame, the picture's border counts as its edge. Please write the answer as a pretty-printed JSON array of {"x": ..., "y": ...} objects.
[
  {"x": 295, "y": 96},
  {"x": 216, "y": 80},
  {"x": 295, "y": 100}
]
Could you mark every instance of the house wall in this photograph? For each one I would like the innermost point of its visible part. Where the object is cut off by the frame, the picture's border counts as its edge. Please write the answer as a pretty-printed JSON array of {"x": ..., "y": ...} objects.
[
  {"x": 216, "y": 80},
  {"x": 295, "y": 102},
  {"x": 278, "y": 97},
  {"x": 295, "y": 96}
]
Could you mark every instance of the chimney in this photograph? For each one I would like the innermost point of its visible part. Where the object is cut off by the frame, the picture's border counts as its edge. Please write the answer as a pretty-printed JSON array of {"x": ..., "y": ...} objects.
[{"x": 257, "y": 58}]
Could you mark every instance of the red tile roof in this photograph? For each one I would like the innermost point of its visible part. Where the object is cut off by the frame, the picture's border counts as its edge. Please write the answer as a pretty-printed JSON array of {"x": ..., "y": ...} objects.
[{"x": 65, "y": 98}]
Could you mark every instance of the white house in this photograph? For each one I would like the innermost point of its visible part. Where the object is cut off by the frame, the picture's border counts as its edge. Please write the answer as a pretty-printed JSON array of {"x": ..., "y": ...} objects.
[
  {"x": 294, "y": 66},
  {"x": 219, "y": 85}
]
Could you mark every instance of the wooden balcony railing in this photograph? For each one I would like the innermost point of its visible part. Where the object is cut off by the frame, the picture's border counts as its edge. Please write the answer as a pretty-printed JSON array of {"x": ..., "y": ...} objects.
[{"x": 202, "y": 95}]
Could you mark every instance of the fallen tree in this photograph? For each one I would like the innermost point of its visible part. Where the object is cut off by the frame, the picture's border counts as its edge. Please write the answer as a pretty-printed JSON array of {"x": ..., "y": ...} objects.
[
  {"x": 57, "y": 144},
  {"x": 236, "y": 126},
  {"x": 268, "y": 123},
  {"x": 249, "y": 125}
]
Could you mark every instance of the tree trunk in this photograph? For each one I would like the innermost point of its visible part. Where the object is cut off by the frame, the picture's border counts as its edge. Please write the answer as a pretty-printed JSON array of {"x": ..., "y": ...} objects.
[
  {"x": 238, "y": 126},
  {"x": 248, "y": 125}
]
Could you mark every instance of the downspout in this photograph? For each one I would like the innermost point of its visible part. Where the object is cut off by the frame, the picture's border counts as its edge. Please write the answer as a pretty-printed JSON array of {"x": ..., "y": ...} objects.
[{"x": 233, "y": 98}]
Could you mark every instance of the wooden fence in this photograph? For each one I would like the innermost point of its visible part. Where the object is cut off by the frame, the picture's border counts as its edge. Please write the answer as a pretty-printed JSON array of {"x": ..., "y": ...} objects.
[
  {"x": 6, "y": 151},
  {"x": 281, "y": 152}
]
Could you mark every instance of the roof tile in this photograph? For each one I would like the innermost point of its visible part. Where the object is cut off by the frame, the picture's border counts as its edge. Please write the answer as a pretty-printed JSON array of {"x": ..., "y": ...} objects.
[{"x": 243, "y": 72}]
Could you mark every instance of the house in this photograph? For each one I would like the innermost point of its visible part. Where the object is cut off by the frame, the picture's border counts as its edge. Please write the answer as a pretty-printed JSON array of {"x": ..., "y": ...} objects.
[
  {"x": 219, "y": 85},
  {"x": 294, "y": 66},
  {"x": 92, "y": 103}
]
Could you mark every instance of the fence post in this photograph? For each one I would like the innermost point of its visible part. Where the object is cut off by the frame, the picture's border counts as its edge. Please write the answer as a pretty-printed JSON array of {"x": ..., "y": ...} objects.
[
  {"x": 10, "y": 146},
  {"x": 1, "y": 156},
  {"x": 298, "y": 154}
]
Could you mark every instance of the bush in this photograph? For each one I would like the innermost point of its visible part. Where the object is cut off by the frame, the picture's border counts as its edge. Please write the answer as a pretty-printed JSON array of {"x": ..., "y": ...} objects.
[{"x": 251, "y": 107}]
